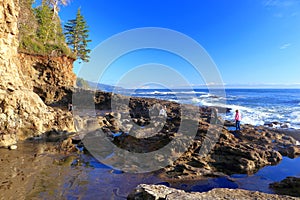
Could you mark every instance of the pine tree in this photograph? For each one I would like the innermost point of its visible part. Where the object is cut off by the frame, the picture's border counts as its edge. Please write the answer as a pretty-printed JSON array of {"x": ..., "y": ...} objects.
[
  {"x": 54, "y": 4},
  {"x": 49, "y": 28},
  {"x": 76, "y": 31},
  {"x": 40, "y": 29}
]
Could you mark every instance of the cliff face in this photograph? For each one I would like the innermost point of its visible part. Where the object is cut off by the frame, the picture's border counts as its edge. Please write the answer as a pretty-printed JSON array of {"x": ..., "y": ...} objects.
[
  {"x": 9, "y": 45},
  {"x": 23, "y": 113},
  {"x": 49, "y": 77}
]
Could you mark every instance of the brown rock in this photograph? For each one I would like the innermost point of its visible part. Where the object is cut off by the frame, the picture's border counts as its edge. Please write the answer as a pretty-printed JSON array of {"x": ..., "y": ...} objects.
[
  {"x": 50, "y": 77},
  {"x": 289, "y": 186},
  {"x": 23, "y": 113},
  {"x": 162, "y": 192}
]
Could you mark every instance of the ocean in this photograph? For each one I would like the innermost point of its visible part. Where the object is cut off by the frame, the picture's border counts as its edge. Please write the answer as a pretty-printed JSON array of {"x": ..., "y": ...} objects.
[{"x": 257, "y": 106}]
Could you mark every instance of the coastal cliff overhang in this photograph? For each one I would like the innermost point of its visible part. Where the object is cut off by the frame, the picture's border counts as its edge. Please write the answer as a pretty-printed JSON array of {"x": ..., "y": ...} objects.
[
  {"x": 47, "y": 57},
  {"x": 51, "y": 77}
]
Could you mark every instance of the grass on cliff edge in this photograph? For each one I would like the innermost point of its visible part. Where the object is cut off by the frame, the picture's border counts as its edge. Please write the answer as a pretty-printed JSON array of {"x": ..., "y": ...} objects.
[{"x": 32, "y": 46}]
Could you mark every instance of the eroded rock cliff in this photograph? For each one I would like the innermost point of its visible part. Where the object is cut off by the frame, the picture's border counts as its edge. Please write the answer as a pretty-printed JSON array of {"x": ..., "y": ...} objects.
[
  {"x": 49, "y": 77},
  {"x": 23, "y": 113}
]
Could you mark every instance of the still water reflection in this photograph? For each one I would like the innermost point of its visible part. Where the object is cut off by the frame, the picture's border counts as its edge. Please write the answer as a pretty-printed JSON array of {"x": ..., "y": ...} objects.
[{"x": 33, "y": 172}]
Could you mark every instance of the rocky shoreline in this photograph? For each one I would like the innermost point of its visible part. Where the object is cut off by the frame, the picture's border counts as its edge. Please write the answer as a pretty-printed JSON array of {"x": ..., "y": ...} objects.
[
  {"x": 288, "y": 186},
  {"x": 162, "y": 192},
  {"x": 36, "y": 90},
  {"x": 243, "y": 152}
]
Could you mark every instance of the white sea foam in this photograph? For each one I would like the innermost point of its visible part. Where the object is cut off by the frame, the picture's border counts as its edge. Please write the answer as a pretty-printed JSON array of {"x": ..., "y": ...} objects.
[
  {"x": 254, "y": 116},
  {"x": 195, "y": 100},
  {"x": 170, "y": 92},
  {"x": 255, "y": 106},
  {"x": 295, "y": 117},
  {"x": 249, "y": 115},
  {"x": 207, "y": 95},
  {"x": 254, "y": 120}
]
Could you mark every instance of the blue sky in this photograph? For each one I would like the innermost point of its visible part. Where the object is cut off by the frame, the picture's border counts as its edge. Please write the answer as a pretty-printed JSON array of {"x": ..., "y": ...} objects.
[{"x": 253, "y": 43}]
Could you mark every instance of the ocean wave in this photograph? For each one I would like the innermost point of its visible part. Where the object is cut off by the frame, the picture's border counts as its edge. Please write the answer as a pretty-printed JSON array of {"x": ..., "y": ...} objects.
[
  {"x": 208, "y": 95},
  {"x": 170, "y": 93},
  {"x": 295, "y": 117},
  {"x": 255, "y": 106},
  {"x": 255, "y": 115}
]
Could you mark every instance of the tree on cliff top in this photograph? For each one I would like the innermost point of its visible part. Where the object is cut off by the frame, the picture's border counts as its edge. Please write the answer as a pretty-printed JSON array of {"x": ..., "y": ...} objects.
[
  {"x": 76, "y": 31},
  {"x": 54, "y": 6},
  {"x": 47, "y": 27},
  {"x": 40, "y": 29}
]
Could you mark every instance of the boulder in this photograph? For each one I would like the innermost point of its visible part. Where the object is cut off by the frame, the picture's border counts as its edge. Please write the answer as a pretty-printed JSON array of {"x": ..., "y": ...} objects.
[
  {"x": 161, "y": 192},
  {"x": 289, "y": 186}
]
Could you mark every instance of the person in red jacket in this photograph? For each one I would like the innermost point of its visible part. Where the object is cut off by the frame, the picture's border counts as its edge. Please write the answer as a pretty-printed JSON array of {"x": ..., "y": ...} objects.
[{"x": 237, "y": 118}]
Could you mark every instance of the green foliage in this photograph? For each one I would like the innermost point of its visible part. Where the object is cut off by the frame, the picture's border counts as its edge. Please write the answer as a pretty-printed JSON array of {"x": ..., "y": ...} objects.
[
  {"x": 28, "y": 45},
  {"x": 81, "y": 83},
  {"x": 41, "y": 31},
  {"x": 31, "y": 45},
  {"x": 76, "y": 31},
  {"x": 45, "y": 31}
]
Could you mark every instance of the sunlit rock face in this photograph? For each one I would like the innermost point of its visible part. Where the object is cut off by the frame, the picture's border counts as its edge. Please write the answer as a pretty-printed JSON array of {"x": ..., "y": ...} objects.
[{"x": 23, "y": 113}]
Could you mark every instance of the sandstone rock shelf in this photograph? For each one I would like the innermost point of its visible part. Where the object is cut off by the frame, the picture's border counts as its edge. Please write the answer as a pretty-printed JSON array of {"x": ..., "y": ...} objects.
[{"x": 144, "y": 191}]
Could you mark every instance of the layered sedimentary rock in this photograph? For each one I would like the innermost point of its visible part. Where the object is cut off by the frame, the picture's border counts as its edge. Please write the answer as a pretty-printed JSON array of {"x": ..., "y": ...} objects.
[
  {"x": 142, "y": 130},
  {"x": 23, "y": 113},
  {"x": 162, "y": 192},
  {"x": 49, "y": 77}
]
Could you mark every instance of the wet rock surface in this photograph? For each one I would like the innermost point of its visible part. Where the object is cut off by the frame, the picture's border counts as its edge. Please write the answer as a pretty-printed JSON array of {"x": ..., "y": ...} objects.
[
  {"x": 288, "y": 186},
  {"x": 46, "y": 170},
  {"x": 201, "y": 144},
  {"x": 36, "y": 170},
  {"x": 162, "y": 192}
]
